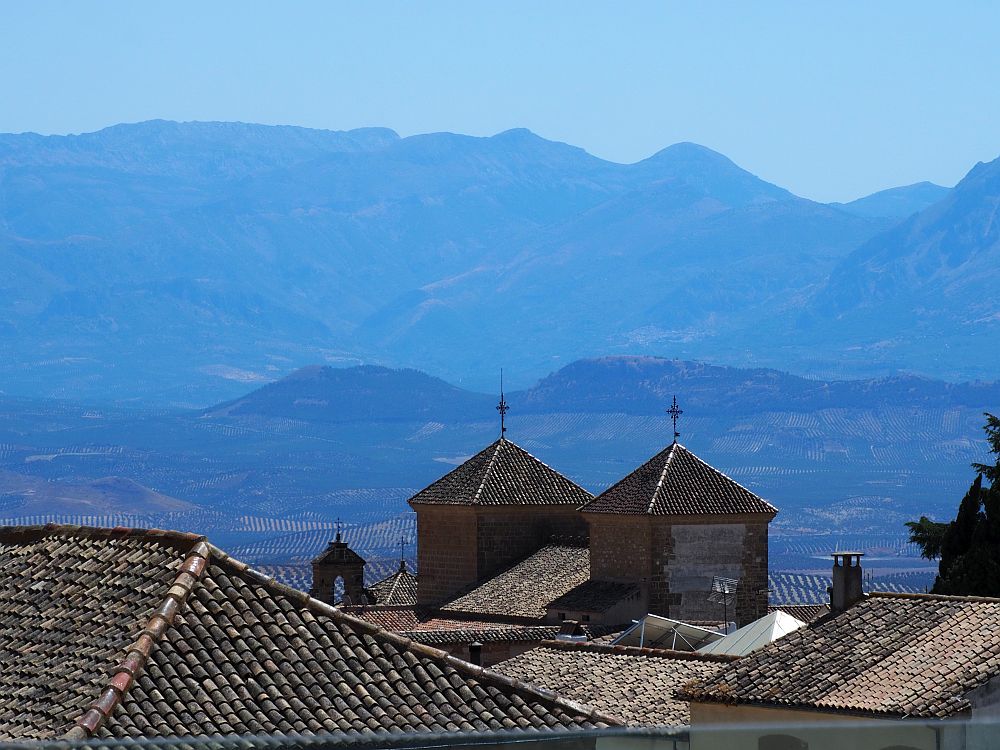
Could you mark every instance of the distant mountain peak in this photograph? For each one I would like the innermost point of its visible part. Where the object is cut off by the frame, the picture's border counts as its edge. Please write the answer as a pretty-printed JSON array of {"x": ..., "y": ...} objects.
[
  {"x": 716, "y": 174},
  {"x": 896, "y": 203}
]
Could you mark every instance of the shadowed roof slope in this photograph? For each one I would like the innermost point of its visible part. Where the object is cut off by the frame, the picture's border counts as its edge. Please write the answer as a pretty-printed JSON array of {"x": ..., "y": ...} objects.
[
  {"x": 527, "y": 587},
  {"x": 675, "y": 482},
  {"x": 890, "y": 654},
  {"x": 635, "y": 684},
  {"x": 503, "y": 474},
  {"x": 126, "y": 633}
]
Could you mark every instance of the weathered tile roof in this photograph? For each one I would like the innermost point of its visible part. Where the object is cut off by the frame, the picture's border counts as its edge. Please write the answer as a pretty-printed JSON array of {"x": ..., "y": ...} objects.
[
  {"x": 594, "y": 596},
  {"x": 675, "y": 482},
  {"x": 526, "y": 588},
  {"x": 890, "y": 654},
  {"x": 70, "y": 606},
  {"x": 496, "y": 634},
  {"x": 413, "y": 619},
  {"x": 399, "y": 589},
  {"x": 124, "y": 633},
  {"x": 634, "y": 684},
  {"x": 434, "y": 627},
  {"x": 503, "y": 474},
  {"x": 803, "y": 612}
]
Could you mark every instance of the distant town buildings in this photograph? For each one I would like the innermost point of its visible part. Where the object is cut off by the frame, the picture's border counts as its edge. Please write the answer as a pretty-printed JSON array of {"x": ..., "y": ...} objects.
[{"x": 506, "y": 541}]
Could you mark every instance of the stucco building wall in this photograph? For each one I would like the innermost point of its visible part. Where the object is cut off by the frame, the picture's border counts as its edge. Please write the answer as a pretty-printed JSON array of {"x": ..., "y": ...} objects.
[{"x": 716, "y": 726}]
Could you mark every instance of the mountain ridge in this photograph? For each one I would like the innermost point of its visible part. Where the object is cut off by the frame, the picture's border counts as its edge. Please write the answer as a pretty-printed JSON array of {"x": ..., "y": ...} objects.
[
  {"x": 153, "y": 257},
  {"x": 636, "y": 385}
]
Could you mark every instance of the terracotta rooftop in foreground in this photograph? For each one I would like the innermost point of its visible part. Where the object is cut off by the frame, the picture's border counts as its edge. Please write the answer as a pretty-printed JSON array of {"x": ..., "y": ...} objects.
[
  {"x": 634, "y": 684},
  {"x": 502, "y": 474},
  {"x": 126, "y": 633},
  {"x": 890, "y": 654},
  {"x": 675, "y": 482},
  {"x": 527, "y": 587}
]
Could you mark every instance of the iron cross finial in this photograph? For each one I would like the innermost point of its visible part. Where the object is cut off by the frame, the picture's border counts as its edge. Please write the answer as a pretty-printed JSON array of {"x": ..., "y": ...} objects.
[
  {"x": 675, "y": 411},
  {"x": 402, "y": 552},
  {"x": 338, "y": 529},
  {"x": 502, "y": 408}
]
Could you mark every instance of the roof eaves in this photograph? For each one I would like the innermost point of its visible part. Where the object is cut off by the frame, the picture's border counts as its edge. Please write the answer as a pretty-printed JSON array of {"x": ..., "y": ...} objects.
[
  {"x": 663, "y": 653},
  {"x": 535, "y": 458},
  {"x": 128, "y": 670},
  {"x": 408, "y": 644},
  {"x": 691, "y": 692},
  {"x": 773, "y": 510},
  {"x": 934, "y": 597}
]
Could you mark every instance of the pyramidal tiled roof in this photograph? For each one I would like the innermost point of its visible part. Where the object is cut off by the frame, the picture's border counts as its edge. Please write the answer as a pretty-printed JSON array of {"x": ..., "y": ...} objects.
[
  {"x": 503, "y": 474},
  {"x": 398, "y": 589},
  {"x": 675, "y": 482},
  {"x": 109, "y": 633}
]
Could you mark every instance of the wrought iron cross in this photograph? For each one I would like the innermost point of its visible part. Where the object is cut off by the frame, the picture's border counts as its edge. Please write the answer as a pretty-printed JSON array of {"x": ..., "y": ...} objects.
[
  {"x": 502, "y": 408},
  {"x": 338, "y": 529},
  {"x": 675, "y": 411},
  {"x": 402, "y": 548}
]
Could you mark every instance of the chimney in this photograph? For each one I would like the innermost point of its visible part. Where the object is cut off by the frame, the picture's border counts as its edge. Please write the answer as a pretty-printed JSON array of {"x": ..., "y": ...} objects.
[
  {"x": 846, "y": 589},
  {"x": 476, "y": 653}
]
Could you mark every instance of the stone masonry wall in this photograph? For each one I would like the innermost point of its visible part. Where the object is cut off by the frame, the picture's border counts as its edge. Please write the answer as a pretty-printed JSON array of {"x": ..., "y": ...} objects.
[
  {"x": 673, "y": 561},
  {"x": 620, "y": 550},
  {"x": 508, "y": 534},
  {"x": 446, "y": 551},
  {"x": 693, "y": 554},
  {"x": 751, "y": 600},
  {"x": 690, "y": 554}
]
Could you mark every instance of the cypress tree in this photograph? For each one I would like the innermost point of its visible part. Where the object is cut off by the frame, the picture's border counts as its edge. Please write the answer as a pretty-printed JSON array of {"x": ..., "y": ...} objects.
[{"x": 968, "y": 548}]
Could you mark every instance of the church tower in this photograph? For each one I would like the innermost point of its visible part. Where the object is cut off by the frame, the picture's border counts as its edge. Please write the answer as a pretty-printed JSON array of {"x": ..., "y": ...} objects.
[
  {"x": 495, "y": 509},
  {"x": 338, "y": 560},
  {"x": 676, "y": 526}
]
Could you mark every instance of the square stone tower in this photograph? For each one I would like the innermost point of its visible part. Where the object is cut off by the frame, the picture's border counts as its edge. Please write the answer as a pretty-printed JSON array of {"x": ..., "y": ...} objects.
[
  {"x": 674, "y": 524},
  {"x": 495, "y": 509}
]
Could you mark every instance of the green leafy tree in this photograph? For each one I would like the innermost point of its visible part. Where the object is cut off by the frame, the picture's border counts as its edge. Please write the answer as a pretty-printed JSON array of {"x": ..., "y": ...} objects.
[
  {"x": 992, "y": 430},
  {"x": 928, "y": 535},
  {"x": 968, "y": 548}
]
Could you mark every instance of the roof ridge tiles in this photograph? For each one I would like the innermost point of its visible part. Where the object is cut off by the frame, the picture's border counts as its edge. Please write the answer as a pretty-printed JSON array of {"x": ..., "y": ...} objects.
[
  {"x": 662, "y": 653},
  {"x": 663, "y": 478},
  {"x": 408, "y": 644},
  {"x": 934, "y": 597},
  {"x": 128, "y": 670},
  {"x": 489, "y": 467},
  {"x": 18, "y": 534}
]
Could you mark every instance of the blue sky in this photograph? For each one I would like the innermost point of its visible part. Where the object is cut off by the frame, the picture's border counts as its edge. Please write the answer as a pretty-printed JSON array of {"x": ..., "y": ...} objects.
[{"x": 831, "y": 100}]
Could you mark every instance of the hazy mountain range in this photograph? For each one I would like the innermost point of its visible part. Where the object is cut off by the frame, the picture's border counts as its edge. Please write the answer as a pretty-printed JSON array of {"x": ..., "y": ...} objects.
[{"x": 180, "y": 262}]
